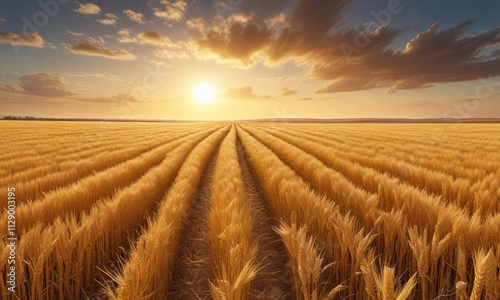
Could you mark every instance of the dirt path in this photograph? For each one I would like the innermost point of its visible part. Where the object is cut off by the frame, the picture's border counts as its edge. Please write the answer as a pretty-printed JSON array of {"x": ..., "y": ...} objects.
[
  {"x": 193, "y": 264},
  {"x": 273, "y": 281}
]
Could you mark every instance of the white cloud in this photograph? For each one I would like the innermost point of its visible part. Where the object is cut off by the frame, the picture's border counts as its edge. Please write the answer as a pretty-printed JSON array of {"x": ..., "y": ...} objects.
[
  {"x": 88, "y": 9},
  {"x": 75, "y": 34},
  {"x": 172, "y": 11},
  {"x": 32, "y": 40},
  {"x": 109, "y": 20},
  {"x": 134, "y": 16},
  {"x": 111, "y": 16}
]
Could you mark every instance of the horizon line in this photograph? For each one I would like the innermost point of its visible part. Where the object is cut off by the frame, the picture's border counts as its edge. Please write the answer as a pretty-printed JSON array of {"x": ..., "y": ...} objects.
[{"x": 311, "y": 120}]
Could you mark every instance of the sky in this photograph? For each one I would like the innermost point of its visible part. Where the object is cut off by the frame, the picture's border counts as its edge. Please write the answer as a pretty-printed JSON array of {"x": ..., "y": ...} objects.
[{"x": 130, "y": 59}]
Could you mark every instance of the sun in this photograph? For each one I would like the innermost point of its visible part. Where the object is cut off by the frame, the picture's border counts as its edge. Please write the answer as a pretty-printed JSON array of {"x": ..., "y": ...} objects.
[{"x": 204, "y": 93}]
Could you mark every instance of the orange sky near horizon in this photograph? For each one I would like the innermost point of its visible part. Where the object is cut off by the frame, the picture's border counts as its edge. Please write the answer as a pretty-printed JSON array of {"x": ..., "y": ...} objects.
[{"x": 278, "y": 59}]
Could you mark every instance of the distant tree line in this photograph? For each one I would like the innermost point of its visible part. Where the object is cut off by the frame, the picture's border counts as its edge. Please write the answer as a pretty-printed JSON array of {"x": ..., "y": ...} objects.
[{"x": 17, "y": 117}]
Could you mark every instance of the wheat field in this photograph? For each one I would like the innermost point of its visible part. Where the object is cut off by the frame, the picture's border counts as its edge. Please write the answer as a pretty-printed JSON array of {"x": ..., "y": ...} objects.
[{"x": 250, "y": 210}]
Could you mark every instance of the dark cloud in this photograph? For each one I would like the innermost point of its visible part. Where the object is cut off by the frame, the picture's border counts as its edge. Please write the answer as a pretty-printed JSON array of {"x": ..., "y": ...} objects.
[
  {"x": 288, "y": 92},
  {"x": 54, "y": 85},
  {"x": 148, "y": 37},
  {"x": 496, "y": 54},
  {"x": 301, "y": 32},
  {"x": 312, "y": 19},
  {"x": 32, "y": 40},
  {"x": 236, "y": 41},
  {"x": 357, "y": 58},
  {"x": 153, "y": 37},
  {"x": 45, "y": 85},
  {"x": 12, "y": 88},
  {"x": 432, "y": 57}
]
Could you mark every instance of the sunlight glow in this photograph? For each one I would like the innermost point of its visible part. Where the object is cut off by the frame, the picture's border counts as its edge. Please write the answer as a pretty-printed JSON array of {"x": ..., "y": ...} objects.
[{"x": 204, "y": 93}]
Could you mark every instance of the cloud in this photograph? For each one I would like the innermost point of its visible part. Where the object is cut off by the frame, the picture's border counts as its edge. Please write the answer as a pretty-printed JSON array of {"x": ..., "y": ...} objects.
[
  {"x": 2, "y": 20},
  {"x": 92, "y": 50},
  {"x": 245, "y": 92},
  {"x": 124, "y": 31},
  {"x": 156, "y": 62},
  {"x": 88, "y": 9},
  {"x": 51, "y": 46},
  {"x": 242, "y": 17},
  {"x": 166, "y": 48},
  {"x": 53, "y": 85},
  {"x": 179, "y": 50},
  {"x": 287, "y": 92},
  {"x": 196, "y": 24},
  {"x": 300, "y": 33},
  {"x": 280, "y": 77},
  {"x": 134, "y": 16},
  {"x": 106, "y": 76},
  {"x": 352, "y": 58},
  {"x": 234, "y": 42},
  {"x": 45, "y": 85},
  {"x": 119, "y": 98},
  {"x": 125, "y": 37},
  {"x": 433, "y": 56},
  {"x": 171, "y": 10},
  {"x": 32, "y": 40},
  {"x": 109, "y": 20},
  {"x": 349, "y": 85},
  {"x": 147, "y": 37},
  {"x": 277, "y": 20},
  {"x": 12, "y": 88},
  {"x": 86, "y": 45},
  {"x": 75, "y": 34},
  {"x": 153, "y": 37}
]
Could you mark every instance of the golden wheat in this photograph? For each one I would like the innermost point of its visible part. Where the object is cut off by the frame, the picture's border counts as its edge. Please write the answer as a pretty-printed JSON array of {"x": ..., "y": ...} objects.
[
  {"x": 81, "y": 195},
  {"x": 147, "y": 272},
  {"x": 230, "y": 226},
  {"x": 378, "y": 211}
]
